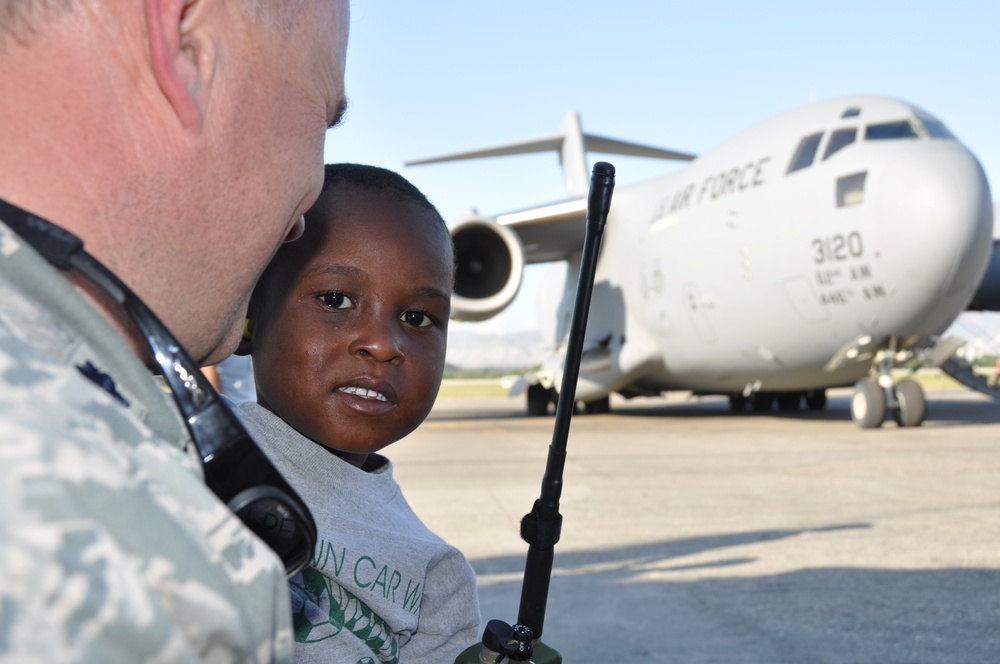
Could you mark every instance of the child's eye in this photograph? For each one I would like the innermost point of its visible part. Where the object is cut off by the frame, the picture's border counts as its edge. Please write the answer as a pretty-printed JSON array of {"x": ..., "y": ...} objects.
[
  {"x": 335, "y": 300},
  {"x": 418, "y": 318}
]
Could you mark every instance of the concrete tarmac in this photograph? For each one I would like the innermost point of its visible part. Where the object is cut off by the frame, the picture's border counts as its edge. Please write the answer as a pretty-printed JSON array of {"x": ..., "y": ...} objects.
[{"x": 695, "y": 535}]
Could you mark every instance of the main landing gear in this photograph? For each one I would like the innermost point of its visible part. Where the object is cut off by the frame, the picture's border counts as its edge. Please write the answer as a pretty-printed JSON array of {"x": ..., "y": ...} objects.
[
  {"x": 786, "y": 401},
  {"x": 873, "y": 399},
  {"x": 540, "y": 397}
]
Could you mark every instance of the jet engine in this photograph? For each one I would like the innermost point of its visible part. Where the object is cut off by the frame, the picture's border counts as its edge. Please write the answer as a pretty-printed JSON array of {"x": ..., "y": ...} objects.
[{"x": 489, "y": 263}]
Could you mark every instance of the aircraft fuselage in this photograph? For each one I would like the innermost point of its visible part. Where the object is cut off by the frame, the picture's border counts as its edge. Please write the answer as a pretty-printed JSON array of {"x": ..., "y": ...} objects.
[{"x": 857, "y": 220}]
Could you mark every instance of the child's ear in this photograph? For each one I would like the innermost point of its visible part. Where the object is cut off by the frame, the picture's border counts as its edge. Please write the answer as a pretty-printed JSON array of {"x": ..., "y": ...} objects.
[{"x": 246, "y": 341}]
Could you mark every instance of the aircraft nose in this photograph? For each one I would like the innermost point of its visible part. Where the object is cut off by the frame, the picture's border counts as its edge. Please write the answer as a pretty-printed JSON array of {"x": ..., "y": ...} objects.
[{"x": 941, "y": 209}]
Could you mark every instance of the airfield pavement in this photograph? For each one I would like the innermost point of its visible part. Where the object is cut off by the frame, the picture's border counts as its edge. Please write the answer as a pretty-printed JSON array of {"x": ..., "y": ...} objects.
[{"x": 695, "y": 535}]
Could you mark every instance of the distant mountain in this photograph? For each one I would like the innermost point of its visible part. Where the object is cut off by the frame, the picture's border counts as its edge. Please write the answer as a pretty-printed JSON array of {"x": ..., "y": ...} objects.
[{"x": 514, "y": 351}]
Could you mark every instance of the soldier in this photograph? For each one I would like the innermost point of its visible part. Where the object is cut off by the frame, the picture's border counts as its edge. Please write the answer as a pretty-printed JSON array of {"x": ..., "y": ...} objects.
[{"x": 181, "y": 142}]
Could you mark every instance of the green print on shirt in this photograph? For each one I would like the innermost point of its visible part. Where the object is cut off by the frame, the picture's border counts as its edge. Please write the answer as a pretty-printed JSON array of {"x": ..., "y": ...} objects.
[
  {"x": 369, "y": 574},
  {"x": 321, "y": 610}
]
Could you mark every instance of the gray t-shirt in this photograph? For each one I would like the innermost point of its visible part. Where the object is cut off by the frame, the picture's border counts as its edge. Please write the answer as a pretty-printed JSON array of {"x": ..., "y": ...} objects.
[
  {"x": 382, "y": 587},
  {"x": 112, "y": 549}
]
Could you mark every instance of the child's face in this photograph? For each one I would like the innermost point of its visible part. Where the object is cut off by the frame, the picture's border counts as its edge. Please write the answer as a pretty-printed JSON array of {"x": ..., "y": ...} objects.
[{"x": 349, "y": 333}]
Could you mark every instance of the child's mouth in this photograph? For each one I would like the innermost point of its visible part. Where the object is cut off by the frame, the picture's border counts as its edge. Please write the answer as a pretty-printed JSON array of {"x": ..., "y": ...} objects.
[{"x": 364, "y": 393}]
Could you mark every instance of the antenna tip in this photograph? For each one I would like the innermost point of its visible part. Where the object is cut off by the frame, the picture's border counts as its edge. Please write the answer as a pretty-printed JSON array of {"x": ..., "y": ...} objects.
[{"x": 603, "y": 168}]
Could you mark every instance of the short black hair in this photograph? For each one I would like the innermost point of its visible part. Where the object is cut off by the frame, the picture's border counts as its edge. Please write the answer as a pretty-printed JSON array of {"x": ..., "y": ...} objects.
[
  {"x": 376, "y": 178},
  {"x": 365, "y": 177}
]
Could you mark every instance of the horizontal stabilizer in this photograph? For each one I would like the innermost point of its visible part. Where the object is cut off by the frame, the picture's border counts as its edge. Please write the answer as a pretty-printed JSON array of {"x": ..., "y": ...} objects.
[
  {"x": 613, "y": 146},
  {"x": 572, "y": 146},
  {"x": 591, "y": 144},
  {"x": 522, "y": 147}
]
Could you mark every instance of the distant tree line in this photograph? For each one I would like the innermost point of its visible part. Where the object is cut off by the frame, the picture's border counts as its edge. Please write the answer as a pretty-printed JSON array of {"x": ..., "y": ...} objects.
[{"x": 451, "y": 371}]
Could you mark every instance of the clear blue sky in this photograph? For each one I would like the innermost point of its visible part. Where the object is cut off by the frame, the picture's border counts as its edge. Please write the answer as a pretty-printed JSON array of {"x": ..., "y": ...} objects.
[{"x": 429, "y": 78}]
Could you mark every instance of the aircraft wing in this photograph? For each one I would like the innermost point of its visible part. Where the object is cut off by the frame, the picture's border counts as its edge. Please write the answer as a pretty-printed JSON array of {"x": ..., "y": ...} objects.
[{"x": 550, "y": 232}]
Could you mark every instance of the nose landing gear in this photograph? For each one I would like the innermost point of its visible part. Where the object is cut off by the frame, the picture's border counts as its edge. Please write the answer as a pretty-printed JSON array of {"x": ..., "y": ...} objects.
[{"x": 874, "y": 396}]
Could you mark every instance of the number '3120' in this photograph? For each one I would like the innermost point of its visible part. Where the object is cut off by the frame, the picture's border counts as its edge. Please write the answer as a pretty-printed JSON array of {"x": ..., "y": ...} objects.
[{"x": 837, "y": 247}]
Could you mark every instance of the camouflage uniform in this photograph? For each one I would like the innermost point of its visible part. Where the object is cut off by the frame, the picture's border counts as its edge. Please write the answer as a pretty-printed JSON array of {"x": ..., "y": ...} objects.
[{"x": 111, "y": 547}]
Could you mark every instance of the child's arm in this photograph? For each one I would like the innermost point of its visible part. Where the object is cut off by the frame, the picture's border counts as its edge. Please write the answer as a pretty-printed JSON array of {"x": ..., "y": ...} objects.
[{"x": 449, "y": 613}]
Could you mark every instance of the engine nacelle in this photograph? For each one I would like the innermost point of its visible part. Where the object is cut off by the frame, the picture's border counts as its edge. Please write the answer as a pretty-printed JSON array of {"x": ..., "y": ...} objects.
[{"x": 489, "y": 264}]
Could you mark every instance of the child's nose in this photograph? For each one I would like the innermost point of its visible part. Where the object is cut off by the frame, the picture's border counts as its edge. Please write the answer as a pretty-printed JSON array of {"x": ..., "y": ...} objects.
[{"x": 379, "y": 340}]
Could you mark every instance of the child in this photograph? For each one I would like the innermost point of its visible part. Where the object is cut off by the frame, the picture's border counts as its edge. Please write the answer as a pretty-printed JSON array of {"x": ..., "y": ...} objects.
[{"x": 347, "y": 329}]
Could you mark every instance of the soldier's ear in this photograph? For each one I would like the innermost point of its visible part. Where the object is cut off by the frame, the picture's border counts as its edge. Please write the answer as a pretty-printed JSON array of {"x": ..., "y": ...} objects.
[{"x": 182, "y": 54}]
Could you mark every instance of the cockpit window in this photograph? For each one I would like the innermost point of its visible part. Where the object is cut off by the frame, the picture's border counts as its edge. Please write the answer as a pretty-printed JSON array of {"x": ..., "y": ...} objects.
[
  {"x": 851, "y": 189},
  {"x": 936, "y": 128},
  {"x": 890, "y": 130},
  {"x": 805, "y": 153},
  {"x": 840, "y": 139},
  {"x": 852, "y": 112}
]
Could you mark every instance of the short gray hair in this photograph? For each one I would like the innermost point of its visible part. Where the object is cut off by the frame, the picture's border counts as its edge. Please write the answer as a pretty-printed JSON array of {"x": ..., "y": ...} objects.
[
  {"x": 19, "y": 18},
  {"x": 278, "y": 14}
]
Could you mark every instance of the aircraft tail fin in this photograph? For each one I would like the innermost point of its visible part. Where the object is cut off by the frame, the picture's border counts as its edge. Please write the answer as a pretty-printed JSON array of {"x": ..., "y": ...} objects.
[
  {"x": 573, "y": 146},
  {"x": 573, "y": 157}
]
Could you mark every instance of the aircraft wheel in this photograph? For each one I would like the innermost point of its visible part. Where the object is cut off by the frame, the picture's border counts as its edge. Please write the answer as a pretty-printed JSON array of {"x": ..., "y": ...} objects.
[
  {"x": 816, "y": 399},
  {"x": 538, "y": 400},
  {"x": 597, "y": 406},
  {"x": 868, "y": 404},
  {"x": 737, "y": 402},
  {"x": 912, "y": 404},
  {"x": 789, "y": 401},
  {"x": 761, "y": 402}
]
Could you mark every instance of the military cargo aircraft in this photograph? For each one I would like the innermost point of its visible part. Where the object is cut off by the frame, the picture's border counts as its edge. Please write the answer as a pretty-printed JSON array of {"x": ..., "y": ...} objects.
[{"x": 820, "y": 248}]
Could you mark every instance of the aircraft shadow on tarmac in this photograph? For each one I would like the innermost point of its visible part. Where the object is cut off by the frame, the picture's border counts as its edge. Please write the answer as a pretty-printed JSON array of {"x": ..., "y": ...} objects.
[
  {"x": 601, "y": 610},
  {"x": 949, "y": 411}
]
